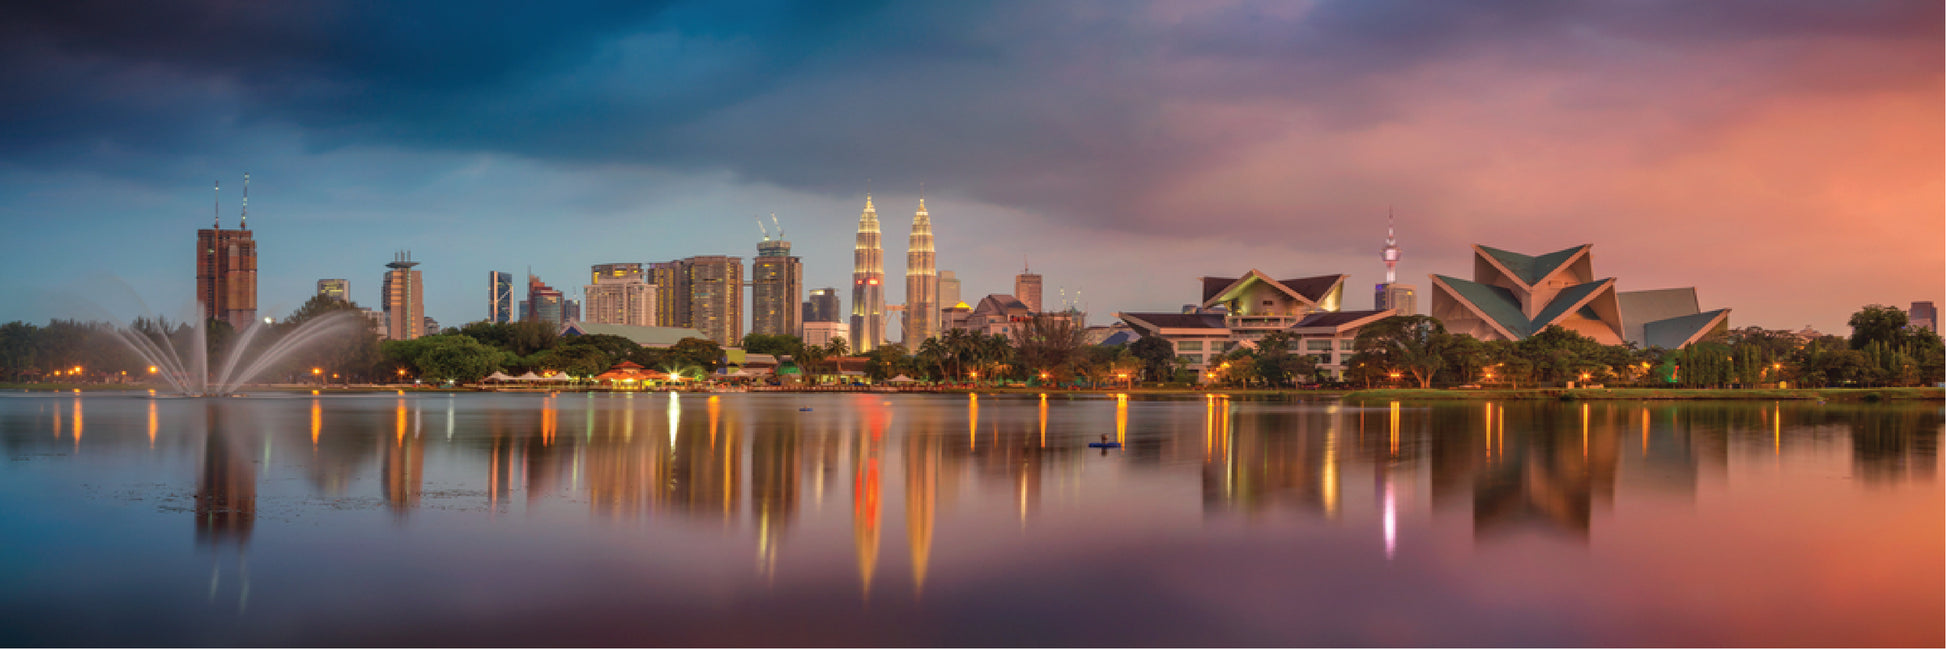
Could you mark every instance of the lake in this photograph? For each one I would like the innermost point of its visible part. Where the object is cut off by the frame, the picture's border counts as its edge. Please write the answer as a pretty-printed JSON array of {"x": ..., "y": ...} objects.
[{"x": 871, "y": 519}]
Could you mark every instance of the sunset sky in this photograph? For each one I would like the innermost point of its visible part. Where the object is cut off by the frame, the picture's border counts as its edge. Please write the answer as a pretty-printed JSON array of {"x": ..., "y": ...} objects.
[{"x": 1783, "y": 157}]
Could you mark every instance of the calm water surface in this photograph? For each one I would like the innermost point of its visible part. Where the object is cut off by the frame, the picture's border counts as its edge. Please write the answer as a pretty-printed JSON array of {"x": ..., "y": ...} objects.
[{"x": 927, "y": 520}]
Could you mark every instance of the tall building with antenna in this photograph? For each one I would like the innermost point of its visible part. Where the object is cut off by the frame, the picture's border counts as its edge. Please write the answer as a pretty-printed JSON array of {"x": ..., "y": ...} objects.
[
  {"x": 1391, "y": 294},
  {"x": 403, "y": 295},
  {"x": 921, "y": 282},
  {"x": 226, "y": 267},
  {"x": 1027, "y": 288},
  {"x": 777, "y": 281},
  {"x": 867, "y": 284}
]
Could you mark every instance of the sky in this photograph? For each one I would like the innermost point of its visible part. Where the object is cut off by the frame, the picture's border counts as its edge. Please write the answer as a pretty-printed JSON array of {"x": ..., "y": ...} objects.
[{"x": 1782, "y": 156}]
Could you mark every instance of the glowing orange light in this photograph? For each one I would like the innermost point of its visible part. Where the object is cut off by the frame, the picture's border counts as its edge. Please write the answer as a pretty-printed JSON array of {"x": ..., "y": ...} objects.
[
  {"x": 316, "y": 371},
  {"x": 152, "y": 369}
]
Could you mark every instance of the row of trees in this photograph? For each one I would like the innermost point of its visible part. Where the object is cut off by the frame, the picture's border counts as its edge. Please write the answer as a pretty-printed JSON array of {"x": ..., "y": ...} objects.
[{"x": 1882, "y": 351}]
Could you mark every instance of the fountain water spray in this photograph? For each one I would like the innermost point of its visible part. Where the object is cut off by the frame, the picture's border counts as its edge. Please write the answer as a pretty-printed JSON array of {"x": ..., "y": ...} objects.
[{"x": 191, "y": 376}]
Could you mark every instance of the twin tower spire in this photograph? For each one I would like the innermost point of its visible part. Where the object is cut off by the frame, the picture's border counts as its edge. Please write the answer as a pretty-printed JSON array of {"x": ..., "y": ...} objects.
[{"x": 868, "y": 282}]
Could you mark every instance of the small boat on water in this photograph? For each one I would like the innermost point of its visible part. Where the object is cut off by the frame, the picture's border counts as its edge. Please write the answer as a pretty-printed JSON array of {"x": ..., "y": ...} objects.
[{"x": 1104, "y": 444}]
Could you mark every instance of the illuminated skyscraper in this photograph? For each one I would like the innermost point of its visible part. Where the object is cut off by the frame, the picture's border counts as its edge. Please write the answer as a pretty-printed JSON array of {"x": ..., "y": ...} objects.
[
  {"x": 619, "y": 294},
  {"x": 336, "y": 289},
  {"x": 404, "y": 299},
  {"x": 715, "y": 301},
  {"x": 226, "y": 269},
  {"x": 921, "y": 283},
  {"x": 867, "y": 284},
  {"x": 500, "y": 297},
  {"x": 671, "y": 294},
  {"x": 1027, "y": 289},
  {"x": 777, "y": 281}
]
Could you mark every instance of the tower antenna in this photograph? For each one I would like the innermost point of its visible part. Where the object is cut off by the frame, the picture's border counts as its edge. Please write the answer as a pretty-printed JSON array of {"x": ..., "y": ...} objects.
[
  {"x": 246, "y": 201},
  {"x": 1390, "y": 253},
  {"x": 219, "y": 204}
]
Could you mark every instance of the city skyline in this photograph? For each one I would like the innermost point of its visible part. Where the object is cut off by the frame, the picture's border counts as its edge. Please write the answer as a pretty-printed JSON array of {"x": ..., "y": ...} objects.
[{"x": 1787, "y": 152}]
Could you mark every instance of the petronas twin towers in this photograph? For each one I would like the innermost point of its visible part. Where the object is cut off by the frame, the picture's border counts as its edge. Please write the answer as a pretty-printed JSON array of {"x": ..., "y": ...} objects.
[{"x": 868, "y": 282}]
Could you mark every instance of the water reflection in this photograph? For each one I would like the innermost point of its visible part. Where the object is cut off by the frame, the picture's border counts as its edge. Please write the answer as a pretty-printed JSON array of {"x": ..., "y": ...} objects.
[
  {"x": 226, "y": 486},
  {"x": 749, "y": 474}
]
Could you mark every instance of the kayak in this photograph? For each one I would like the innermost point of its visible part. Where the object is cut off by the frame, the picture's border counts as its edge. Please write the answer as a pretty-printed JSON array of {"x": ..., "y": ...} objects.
[{"x": 1104, "y": 444}]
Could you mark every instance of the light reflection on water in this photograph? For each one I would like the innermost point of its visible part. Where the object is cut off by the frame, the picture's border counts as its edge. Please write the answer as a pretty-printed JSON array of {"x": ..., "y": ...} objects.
[{"x": 1219, "y": 521}]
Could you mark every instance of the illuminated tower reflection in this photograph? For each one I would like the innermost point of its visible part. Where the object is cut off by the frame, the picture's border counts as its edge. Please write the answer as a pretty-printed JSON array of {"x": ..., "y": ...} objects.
[{"x": 865, "y": 506}]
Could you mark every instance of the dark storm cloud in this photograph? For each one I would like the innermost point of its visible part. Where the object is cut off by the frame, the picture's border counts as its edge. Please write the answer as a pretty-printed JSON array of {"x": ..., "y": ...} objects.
[{"x": 1076, "y": 110}]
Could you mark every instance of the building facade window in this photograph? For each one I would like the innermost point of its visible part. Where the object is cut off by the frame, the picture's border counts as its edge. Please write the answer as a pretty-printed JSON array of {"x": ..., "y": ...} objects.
[
  {"x": 1318, "y": 346},
  {"x": 1189, "y": 346}
]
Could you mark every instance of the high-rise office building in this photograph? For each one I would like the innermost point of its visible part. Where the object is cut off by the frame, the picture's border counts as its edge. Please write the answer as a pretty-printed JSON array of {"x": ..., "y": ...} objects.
[
  {"x": 620, "y": 294},
  {"x": 823, "y": 306},
  {"x": 867, "y": 284},
  {"x": 1923, "y": 315},
  {"x": 1027, "y": 289},
  {"x": 500, "y": 297},
  {"x": 715, "y": 301},
  {"x": 226, "y": 268},
  {"x": 1403, "y": 298},
  {"x": 404, "y": 298},
  {"x": 948, "y": 290},
  {"x": 777, "y": 281},
  {"x": 1391, "y": 294},
  {"x": 543, "y": 303},
  {"x": 671, "y": 294},
  {"x": 336, "y": 289},
  {"x": 921, "y": 283},
  {"x": 570, "y": 310},
  {"x": 817, "y": 333}
]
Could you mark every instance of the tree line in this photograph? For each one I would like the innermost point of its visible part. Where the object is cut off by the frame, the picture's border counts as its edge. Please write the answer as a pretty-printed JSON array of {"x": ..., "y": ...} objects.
[
  {"x": 1403, "y": 351},
  {"x": 1883, "y": 351}
]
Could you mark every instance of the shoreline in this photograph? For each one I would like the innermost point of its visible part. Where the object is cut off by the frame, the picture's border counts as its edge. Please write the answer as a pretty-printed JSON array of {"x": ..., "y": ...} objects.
[{"x": 1395, "y": 394}]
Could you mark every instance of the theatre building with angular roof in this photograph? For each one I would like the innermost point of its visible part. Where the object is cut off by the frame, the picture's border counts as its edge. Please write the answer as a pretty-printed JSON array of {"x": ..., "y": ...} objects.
[
  {"x": 1513, "y": 296},
  {"x": 1242, "y": 310}
]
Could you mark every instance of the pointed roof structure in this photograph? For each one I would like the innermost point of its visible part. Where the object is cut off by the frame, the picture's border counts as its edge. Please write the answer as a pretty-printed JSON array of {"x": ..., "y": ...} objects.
[
  {"x": 1312, "y": 293},
  {"x": 1513, "y": 296}
]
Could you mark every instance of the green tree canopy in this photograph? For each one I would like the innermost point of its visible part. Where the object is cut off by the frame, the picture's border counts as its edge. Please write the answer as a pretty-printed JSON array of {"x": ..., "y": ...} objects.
[{"x": 1412, "y": 344}]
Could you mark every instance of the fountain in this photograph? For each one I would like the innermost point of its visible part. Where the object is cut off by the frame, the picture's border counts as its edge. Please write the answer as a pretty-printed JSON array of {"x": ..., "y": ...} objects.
[{"x": 191, "y": 377}]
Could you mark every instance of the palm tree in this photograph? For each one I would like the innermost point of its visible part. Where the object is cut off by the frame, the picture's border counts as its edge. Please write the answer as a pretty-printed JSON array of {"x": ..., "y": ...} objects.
[{"x": 932, "y": 354}]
